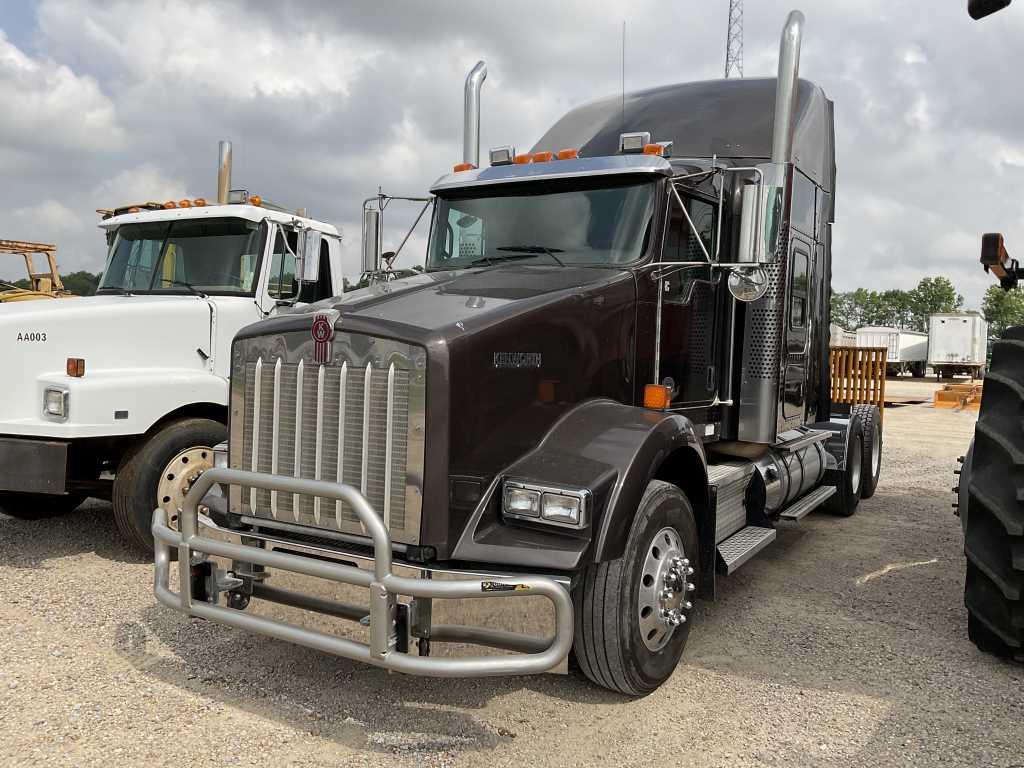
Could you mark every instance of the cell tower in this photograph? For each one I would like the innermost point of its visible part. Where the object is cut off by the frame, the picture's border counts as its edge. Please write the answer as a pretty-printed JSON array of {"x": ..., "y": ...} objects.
[{"x": 734, "y": 39}]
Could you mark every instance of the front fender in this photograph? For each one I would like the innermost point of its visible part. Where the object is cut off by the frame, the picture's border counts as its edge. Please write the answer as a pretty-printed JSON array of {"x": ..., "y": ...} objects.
[
  {"x": 612, "y": 450},
  {"x": 128, "y": 401}
]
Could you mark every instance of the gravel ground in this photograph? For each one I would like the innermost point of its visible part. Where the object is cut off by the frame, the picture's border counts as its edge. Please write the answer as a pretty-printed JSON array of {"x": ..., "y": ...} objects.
[{"x": 814, "y": 654}]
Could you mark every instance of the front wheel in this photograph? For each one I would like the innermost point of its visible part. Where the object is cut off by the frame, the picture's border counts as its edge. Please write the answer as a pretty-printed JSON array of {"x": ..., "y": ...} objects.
[
  {"x": 633, "y": 614},
  {"x": 38, "y": 506},
  {"x": 160, "y": 473}
]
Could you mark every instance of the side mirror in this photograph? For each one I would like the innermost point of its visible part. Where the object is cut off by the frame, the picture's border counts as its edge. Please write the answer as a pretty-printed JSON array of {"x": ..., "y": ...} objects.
[
  {"x": 979, "y": 9},
  {"x": 308, "y": 251},
  {"x": 371, "y": 240}
]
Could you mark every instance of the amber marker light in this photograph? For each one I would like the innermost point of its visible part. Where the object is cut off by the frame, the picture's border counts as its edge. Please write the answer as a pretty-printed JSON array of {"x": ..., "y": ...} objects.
[
  {"x": 133, "y": 210},
  {"x": 657, "y": 397},
  {"x": 460, "y": 167},
  {"x": 184, "y": 203},
  {"x": 199, "y": 202},
  {"x": 255, "y": 200},
  {"x": 522, "y": 159},
  {"x": 170, "y": 204},
  {"x": 568, "y": 154},
  {"x": 542, "y": 157},
  {"x": 76, "y": 367},
  {"x": 654, "y": 149}
]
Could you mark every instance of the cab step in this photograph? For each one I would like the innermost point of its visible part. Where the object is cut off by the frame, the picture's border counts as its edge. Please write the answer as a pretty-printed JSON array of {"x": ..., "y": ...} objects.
[
  {"x": 743, "y": 545},
  {"x": 802, "y": 507}
]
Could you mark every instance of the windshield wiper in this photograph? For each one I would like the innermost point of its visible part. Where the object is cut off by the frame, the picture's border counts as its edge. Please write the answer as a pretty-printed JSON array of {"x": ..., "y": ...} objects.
[
  {"x": 192, "y": 289},
  {"x": 522, "y": 252}
]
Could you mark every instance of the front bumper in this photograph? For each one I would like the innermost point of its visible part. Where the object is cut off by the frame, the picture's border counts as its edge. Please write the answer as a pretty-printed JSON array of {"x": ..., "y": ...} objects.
[
  {"x": 389, "y": 624},
  {"x": 33, "y": 466}
]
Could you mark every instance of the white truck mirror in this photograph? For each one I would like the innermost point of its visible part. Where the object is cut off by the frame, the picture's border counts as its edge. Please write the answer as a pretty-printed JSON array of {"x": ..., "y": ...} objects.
[{"x": 308, "y": 251}]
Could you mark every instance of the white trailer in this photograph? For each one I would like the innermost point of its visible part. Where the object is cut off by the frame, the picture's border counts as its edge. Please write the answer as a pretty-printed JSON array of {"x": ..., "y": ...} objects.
[
  {"x": 907, "y": 350},
  {"x": 957, "y": 343},
  {"x": 840, "y": 337},
  {"x": 123, "y": 395}
]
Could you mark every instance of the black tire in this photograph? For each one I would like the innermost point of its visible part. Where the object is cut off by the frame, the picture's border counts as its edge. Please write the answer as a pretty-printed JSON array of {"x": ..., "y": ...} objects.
[
  {"x": 849, "y": 481},
  {"x": 993, "y": 517},
  {"x": 871, "y": 466},
  {"x": 138, "y": 477},
  {"x": 608, "y": 644},
  {"x": 38, "y": 506},
  {"x": 917, "y": 370}
]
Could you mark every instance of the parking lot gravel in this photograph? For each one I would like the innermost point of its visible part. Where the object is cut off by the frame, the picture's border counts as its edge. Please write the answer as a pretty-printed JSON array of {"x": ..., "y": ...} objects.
[{"x": 844, "y": 644}]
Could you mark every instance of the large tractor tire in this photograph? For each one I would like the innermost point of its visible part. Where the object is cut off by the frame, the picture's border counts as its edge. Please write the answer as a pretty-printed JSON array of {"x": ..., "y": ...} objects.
[
  {"x": 992, "y": 506},
  {"x": 871, "y": 465},
  {"x": 159, "y": 473},
  {"x": 849, "y": 481},
  {"x": 633, "y": 614}
]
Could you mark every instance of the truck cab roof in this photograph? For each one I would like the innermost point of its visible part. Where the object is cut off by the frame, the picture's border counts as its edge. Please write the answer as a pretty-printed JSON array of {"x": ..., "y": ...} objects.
[{"x": 249, "y": 212}]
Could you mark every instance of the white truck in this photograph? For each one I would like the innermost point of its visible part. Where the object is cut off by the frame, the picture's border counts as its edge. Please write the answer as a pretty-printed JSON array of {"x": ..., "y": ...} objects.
[
  {"x": 957, "y": 343},
  {"x": 907, "y": 350},
  {"x": 123, "y": 395}
]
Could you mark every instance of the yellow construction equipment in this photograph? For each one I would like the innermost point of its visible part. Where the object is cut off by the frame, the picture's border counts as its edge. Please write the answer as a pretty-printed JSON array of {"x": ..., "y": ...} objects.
[{"x": 42, "y": 285}]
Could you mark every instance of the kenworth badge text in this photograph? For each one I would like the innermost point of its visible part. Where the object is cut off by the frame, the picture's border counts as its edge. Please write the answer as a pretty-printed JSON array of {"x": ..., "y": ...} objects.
[{"x": 607, "y": 387}]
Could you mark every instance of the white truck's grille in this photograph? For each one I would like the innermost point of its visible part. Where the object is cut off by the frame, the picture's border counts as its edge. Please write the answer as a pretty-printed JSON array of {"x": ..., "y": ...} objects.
[{"x": 358, "y": 419}]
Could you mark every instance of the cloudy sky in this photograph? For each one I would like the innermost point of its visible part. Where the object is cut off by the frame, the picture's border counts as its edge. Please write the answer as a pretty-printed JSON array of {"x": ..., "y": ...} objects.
[{"x": 109, "y": 102}]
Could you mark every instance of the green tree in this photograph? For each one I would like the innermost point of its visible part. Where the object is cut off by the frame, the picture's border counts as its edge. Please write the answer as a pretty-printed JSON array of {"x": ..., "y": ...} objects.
[
  {"x": 933, "y": 294},
  {"x": 82, "y": 283},
  {"x": 1002, "y": 309}
]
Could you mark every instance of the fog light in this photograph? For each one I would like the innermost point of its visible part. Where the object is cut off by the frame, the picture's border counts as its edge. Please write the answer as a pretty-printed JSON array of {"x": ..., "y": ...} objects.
[
  {"x": 559, "y": 508},
  {"x": 521, "y": 502},
  {"x": 55, "y": 403}
]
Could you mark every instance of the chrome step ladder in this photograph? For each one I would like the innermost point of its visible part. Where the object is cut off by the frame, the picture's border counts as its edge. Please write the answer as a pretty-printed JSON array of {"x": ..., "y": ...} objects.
[
  {"x": 803, "y": 506},
  {"x": 743, "y": 545}
]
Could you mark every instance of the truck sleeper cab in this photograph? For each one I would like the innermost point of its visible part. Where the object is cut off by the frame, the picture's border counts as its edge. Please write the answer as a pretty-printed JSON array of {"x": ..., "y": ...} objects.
[
  {"x": 124, "y": 395},
  {"x": 609, "y": 384}
]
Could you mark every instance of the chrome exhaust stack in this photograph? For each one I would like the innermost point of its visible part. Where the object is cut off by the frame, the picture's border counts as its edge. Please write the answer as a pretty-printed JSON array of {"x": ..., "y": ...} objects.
[
  {"x": 471, "y": 115},
  {"x": 224, "y": 172},
  {"x": 786, "y": 87}
]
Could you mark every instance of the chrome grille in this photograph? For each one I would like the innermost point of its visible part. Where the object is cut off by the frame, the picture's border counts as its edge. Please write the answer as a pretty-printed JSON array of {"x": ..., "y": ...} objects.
[{"x": 357, "y": 419}]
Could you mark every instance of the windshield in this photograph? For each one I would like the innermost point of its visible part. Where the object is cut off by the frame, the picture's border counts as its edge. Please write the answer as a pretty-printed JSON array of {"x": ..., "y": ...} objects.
[
  {"x": 217, "y": 256},
  {"x": 606, "y": 225}
]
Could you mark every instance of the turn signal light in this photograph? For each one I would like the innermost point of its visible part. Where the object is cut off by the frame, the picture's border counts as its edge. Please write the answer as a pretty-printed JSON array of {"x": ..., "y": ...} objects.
[
  {"x": 255, "y": 200},
  {"x": 184, "y": 203},
  {"x": 522, "y": 159},
  {"x": 170, "y": 204},
  {"x": 199, "y": 202},
  {"x": 76, "y": 367},
  {"x": 542, "y": 157},
  {"x": 460, "y": 167},
  {"x": 657, "y": 397}
]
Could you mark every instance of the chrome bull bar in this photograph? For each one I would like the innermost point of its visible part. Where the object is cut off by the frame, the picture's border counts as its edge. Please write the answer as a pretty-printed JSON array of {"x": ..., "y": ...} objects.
[{"x": 384, "y": 588}]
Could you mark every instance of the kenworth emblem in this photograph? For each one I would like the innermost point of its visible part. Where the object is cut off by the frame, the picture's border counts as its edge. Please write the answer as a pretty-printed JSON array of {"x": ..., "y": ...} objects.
[{"x": 323, "y": 334}]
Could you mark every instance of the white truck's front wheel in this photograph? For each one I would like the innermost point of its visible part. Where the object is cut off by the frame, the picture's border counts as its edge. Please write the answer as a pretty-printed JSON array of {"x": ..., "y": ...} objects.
[{"x": 159, "y": 473}]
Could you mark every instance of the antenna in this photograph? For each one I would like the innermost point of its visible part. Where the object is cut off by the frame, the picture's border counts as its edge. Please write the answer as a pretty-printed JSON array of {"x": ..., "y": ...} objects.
[
  {"x": 734, "y": 39},
  {"x": 623, "y": 74}
]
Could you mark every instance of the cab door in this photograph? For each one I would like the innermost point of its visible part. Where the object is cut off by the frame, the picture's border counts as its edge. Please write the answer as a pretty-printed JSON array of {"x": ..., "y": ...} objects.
[{"x": 798, "y": 332}]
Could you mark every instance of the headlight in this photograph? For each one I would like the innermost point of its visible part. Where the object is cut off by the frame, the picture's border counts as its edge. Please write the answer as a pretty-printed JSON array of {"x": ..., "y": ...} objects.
[
  {"x": 556, "y": 506},
  {"x": 55, "y": 402}
]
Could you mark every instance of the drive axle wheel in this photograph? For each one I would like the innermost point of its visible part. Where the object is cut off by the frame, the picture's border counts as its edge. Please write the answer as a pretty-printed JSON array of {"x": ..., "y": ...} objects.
[
  {"x": 633, "y": 614},
  {"x": 871, "y": 462},
  {"x": 159, "y": 473}
]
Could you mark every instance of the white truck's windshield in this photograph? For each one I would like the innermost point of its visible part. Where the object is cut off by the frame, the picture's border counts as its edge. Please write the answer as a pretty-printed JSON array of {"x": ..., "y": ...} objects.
[
  {"x": 215, "y": 256},
  {"x": 607, "y": 225}
]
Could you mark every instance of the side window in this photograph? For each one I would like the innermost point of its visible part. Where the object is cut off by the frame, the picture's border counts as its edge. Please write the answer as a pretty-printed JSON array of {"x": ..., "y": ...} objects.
[
  {"x": 282, "y": 283},
  {"x": 681, "y": 244},
  {"x": 798, "y": 296},
  {"x": 323, "y": 288}
]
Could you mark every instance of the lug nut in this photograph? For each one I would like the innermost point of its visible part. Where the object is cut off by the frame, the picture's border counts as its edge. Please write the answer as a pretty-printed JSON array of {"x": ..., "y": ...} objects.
[
  {"x": 689, "y": 571},
  {"x": 690, "y": 586},
  {"x": 687, "y": 605}
]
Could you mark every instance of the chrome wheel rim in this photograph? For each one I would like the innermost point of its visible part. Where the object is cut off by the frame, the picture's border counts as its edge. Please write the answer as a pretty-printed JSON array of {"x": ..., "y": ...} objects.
[
  {"x": 178, "y": 477},
  {"x": 665, "y": 587},
  {"x": 854, "y": 462}
]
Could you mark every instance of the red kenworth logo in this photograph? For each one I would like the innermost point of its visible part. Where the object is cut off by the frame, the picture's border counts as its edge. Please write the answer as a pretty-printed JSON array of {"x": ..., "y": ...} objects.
[{"x": 323, "y": 334}]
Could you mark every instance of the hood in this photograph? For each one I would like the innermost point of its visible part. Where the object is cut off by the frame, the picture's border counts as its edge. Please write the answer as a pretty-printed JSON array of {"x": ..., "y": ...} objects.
[
  {"x": 448, "y": 305},
  {"x": 110, "y": 332}
]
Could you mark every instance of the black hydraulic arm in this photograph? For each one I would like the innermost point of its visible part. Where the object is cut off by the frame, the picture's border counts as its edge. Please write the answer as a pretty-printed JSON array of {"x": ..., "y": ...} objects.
[{"x": 996, "y": 260}]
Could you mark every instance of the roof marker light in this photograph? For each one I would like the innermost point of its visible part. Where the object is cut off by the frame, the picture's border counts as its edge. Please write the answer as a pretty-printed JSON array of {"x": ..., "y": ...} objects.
[
  {"x": 567, "y": 154},
  {"x": 542, "y": 157},
  {"x": 503, "y": 155},
  {"x": 170, "y": 204},
  {"x": 133, "y": 210},
  {"x": 660, "y": 148},
  {"x": 460, "y": 167},
  {"x": 199, "y": 202},
  {"x": 634, "y": 142},
  {"x": 255, "y": 200},
  {"x": 522, "y": 159},
  {"x": 184, "y": 203}
]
